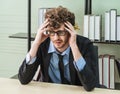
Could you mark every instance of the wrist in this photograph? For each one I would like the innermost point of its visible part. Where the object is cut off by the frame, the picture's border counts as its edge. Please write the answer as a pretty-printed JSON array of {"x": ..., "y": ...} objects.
[
  {"x": 34, "y": 49},
  {"x": 73, "y": 45},
  {"x": 76, "y": 52},
  {"x": 36, "y": 42}
]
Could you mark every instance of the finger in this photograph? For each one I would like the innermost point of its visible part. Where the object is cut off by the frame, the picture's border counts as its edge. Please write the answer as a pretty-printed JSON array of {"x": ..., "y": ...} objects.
[
  {"x": 68, "y": 30},
  {"x": 72, "y": 32},
  {"x": 45, "y": 23},
  {"x": 43, "y": 30},
  {"x": 69, "y": 25}
]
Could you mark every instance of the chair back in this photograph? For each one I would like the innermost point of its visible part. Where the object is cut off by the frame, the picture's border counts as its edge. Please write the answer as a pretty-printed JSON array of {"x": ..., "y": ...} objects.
[{"x": 96, "y": 59}]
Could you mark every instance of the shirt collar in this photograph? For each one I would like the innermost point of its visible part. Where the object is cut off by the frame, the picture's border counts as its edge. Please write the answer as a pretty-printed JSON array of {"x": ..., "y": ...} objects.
[{"x": 52, "y": 49}]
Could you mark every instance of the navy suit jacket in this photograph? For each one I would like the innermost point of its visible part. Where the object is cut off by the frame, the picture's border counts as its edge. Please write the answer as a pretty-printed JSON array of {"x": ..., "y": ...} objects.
[{"x": 86, "y": 78}]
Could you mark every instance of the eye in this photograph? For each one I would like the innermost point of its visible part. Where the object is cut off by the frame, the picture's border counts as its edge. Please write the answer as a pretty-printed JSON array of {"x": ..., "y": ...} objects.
[
  {"x": 51, "y": 32},
  {"x": 60, "y": 31}
]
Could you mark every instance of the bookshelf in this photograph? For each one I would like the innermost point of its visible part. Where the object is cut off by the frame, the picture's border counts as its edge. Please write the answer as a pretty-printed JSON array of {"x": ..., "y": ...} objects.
[
  {"x": 104, "y": 42},
  {"x": 114, "y": 36},
  {"x": 110, "y": 46}
]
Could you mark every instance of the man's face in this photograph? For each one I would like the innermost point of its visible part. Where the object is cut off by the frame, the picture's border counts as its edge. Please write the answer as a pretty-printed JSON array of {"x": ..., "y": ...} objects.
[{"x": 60, "y": 38}]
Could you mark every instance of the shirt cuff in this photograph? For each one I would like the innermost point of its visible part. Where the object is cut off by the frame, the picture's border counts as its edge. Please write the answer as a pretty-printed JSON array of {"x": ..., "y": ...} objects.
[
  {"x": 80, "y": 63},
  {"x": 30, "y": 60}
]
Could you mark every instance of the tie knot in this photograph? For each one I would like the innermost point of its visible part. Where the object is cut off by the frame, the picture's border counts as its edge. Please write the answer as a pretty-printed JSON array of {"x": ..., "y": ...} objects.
[{"x": 60, "y": 56}]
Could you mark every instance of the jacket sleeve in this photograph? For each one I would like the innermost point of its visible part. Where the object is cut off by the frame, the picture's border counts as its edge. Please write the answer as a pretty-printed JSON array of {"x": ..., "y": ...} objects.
[
  {"x": 87, "y": 75},
  {"x": 26, "y": 72}
]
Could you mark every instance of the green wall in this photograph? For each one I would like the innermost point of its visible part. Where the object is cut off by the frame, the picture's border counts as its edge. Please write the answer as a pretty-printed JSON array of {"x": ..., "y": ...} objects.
[{"x": 13, "y": 19}]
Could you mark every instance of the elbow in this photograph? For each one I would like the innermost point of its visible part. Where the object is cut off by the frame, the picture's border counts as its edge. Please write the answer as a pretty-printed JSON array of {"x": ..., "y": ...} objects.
[
  {"x": 22, "y": 80},
  {"x": 88, "y": 88}
]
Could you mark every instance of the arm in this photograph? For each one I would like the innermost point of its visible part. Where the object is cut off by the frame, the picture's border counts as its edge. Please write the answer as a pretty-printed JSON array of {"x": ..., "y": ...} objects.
[
  {"x": 40, "y": 37},
  {"x": 86, "y": 75},
  {"x": 27, "y": 70}
]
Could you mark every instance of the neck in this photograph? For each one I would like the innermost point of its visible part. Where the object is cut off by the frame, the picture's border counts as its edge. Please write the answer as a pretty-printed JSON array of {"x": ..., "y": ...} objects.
[{"x": 62, "y": 49}]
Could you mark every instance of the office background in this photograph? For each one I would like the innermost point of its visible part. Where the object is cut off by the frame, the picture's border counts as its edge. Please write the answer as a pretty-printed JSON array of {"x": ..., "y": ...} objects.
[{"x": 14, "y": 19}]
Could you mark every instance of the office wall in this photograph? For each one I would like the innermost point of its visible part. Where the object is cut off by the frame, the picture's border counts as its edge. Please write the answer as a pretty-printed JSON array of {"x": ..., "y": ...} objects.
[{"x": 13, "y": 19}]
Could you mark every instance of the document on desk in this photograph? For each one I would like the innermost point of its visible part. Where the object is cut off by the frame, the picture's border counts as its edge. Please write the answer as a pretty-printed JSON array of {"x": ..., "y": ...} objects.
[{"x": 13, "y": 86}]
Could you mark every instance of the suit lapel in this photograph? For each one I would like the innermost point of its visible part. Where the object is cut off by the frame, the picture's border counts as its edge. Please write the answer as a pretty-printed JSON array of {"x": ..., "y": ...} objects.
[
  {"x": 46, "y": 65},
  {"x": 72, "y": 68}
]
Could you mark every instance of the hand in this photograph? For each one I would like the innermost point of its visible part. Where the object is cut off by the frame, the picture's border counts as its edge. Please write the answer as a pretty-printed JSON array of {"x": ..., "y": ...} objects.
[
  {"x": 72, "y": 39},
  {"x": 40, "y": 37}
]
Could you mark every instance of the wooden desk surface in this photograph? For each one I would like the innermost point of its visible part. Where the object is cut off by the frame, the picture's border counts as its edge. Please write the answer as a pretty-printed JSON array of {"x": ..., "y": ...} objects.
[{"x": 13, "y": 86}]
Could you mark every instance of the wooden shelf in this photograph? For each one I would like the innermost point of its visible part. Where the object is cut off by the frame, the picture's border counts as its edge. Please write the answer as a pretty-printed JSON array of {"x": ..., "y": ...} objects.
[
  {"x": 22, "y": 36},
  {"x": 108, "y": 42}
]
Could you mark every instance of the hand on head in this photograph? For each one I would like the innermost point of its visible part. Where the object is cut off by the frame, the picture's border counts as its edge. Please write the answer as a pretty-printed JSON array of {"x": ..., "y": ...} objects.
[
  {"x": 41, "y": 36},
  {"x": 69, "y": 27}
]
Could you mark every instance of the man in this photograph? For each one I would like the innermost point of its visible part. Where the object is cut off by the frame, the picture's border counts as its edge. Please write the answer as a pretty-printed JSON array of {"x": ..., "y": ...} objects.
[{"x": 57, "y": 38}]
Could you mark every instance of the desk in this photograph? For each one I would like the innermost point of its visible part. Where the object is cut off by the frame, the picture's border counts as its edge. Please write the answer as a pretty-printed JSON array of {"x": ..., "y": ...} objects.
[{"x": 13, "y": 86}]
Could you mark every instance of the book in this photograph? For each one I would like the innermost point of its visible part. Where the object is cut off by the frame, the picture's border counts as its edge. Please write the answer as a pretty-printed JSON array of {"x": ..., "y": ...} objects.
[
  {"x": 86, "y": 26},
  {"x": 112, "y": 72},
  {"x": 118, "y": 28},
  {"x": 41, "y": 15},
  {"x": 97, "y": 27},
  {"x": 91, "y": 32},
  {"x": 107, "y": 26},
  {"x": 107, "y": 70},
  {"x": 113, "y": 26},
  {"x": 41, "y": 12},
  {"x": 100, "y": 66}
]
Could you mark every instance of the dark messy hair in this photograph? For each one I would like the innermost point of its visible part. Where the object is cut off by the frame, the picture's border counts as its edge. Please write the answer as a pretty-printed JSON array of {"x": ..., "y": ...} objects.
[{"x": 58, "y": 16}]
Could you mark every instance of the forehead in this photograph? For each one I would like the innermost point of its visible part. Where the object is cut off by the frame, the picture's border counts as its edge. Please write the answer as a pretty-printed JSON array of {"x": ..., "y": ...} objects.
[{"x": 62, "y": 27}]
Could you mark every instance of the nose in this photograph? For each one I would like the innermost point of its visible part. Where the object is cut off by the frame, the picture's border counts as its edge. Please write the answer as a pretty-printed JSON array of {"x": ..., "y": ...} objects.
[{"x": 56, "y": 36}]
